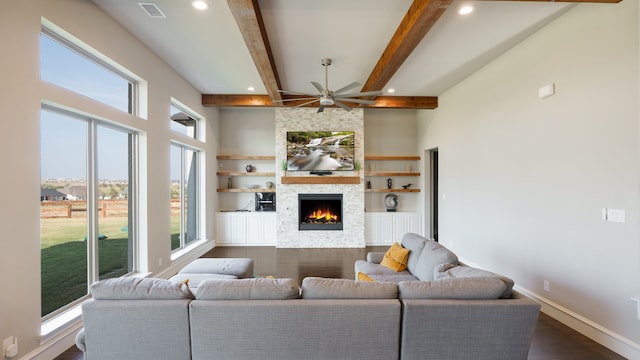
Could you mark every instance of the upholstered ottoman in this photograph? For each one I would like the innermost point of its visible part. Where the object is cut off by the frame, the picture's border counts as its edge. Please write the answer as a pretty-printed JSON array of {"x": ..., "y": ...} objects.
[{"x": 238, "y": 267}]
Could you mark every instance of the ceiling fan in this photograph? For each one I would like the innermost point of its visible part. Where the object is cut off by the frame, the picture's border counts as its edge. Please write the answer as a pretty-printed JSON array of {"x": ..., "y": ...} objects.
[{"x": 327, "y": 97}]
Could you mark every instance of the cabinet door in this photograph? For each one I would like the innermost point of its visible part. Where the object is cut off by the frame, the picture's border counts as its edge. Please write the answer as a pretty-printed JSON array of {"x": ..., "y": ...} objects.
[
  {"x": 378, "y": 229},
  {"x": 269, "y": 228},
  {"x": 261, "y": 228},
  {"x": 406, "y": 222},
  {"x": 385, "y": 228},
  {"x": 232, "y": 228}
]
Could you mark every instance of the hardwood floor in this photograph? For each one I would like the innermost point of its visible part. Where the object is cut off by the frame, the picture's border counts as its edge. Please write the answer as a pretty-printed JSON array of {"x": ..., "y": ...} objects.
[{"x": 551, "y": 341}]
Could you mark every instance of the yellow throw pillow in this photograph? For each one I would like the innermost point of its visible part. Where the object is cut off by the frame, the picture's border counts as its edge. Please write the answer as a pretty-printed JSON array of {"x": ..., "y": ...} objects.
[
  {"x": 364, "y": 277},
  {"x": 396, "y": 258}
]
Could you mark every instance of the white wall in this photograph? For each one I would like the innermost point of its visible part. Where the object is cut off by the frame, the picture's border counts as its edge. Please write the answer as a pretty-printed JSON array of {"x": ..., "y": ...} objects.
[
  {"x": 22, "y": 92},
  {"x": 523, "y": 180},
  {"x": 245, "y": 131},
  {"x": 393, "y": 132}
]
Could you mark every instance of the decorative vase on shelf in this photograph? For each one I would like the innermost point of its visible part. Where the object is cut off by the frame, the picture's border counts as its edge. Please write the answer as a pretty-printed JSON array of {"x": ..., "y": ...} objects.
[
  {"x": 249, "y": 168},
  {"x": 269, "y": 185}
]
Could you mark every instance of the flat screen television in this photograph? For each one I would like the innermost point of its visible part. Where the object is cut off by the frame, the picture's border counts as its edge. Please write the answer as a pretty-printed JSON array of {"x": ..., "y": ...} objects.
[{"x": 320, "y": 150}]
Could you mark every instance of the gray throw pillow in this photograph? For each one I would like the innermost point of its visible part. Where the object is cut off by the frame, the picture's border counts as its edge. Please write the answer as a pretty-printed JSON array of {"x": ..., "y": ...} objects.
[
  {"x": 432, "y": 254},
  {"x": 415, "y": 243},
  {"x": 324, "y": 288},
  {"x": 133, "y": 288}
]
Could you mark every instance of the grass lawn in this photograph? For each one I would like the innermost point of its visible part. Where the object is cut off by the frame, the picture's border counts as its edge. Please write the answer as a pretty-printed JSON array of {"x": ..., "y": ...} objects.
[{"x": 64, "y": 256}]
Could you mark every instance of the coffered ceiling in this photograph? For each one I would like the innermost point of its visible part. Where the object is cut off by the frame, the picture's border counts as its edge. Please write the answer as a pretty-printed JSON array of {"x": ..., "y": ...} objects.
[{"x": 419, "y": 48}]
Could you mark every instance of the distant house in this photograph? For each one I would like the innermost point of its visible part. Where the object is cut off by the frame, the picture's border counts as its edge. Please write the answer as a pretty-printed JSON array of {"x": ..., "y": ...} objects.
[
  {"x": 51, "y": 195},
  {"x": 75, "y": 192}
]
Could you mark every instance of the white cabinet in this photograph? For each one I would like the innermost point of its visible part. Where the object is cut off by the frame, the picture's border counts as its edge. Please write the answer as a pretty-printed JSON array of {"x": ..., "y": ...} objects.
[
  {"x": 246, "y": 228},
  {"x": 385, "y": 228}
]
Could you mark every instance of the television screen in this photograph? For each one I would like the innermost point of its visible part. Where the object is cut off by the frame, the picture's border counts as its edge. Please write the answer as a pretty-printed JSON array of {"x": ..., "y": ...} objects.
[{"x": 320, "y": 150}]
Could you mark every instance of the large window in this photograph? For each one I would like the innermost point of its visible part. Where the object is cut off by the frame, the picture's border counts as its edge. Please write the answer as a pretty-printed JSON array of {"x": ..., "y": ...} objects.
[
  {"x": 71, "y": 68},
  {"x": 87, "y": 167},
  {"x": 86, "y": 206},
  {"x": 185, "y": 195}
]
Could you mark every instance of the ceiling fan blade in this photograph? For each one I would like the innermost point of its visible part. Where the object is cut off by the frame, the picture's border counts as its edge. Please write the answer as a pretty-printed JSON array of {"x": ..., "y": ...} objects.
[
  {"x": 345, "y": 107},
  {"x": 352, "y": 85},
  {"x": 321, "y": 108},
  {"x": 296, "y": 99},
  {"x": 366, "y": 93},
  {"x": 294, "y": 93},
  {"x": 357, "y": 101},
  {"x": 317, "y": 86},
  {"x": 307, "y": 103}
]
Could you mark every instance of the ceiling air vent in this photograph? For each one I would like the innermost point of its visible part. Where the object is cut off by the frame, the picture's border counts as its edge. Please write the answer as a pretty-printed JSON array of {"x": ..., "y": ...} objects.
[{"x": 152, "y": 10}]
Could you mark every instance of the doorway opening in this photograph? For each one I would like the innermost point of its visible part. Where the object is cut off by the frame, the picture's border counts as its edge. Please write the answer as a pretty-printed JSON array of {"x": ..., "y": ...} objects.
[{"x": 432, "y": 179}]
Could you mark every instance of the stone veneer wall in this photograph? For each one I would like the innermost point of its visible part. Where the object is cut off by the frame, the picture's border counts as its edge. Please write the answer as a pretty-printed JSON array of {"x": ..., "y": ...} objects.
[{"x": 287, "y": 233}]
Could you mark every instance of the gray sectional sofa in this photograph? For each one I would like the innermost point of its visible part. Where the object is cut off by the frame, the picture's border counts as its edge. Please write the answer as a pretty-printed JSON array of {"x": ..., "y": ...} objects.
[
  {"x": 453, "y": 311},
  {"x": 262, "y": 318}
]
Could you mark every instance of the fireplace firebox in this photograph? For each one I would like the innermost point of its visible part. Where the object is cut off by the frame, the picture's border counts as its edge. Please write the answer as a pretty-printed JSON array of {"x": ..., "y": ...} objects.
[{"x": 320, "y": 211}]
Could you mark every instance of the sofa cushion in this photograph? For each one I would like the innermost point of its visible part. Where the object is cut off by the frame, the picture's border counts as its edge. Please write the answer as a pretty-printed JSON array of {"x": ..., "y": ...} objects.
[
  {"x": 248, "y": 289},
  {"x": 478, "y": 288},
  {"x": 194, "y": 280},
  {"x": 133, "y": 288},
  {"x": 324, "y": 288},
  {"x": 396, "y": 278},
  {"x": 452, "y": 271},
  {"x": 370, "y": 268},
  {"x": 432, "y": 254},
  {"x": 414, "y": 243},
  {"x": 395, "y": 258}
]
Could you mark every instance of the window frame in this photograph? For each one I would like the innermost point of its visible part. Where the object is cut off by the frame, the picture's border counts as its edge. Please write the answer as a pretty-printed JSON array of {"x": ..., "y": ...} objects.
[
  {"x": 137, "y": 88},
  {"x": 92, "y": 198},
  {"x": 199, "y": 227}
]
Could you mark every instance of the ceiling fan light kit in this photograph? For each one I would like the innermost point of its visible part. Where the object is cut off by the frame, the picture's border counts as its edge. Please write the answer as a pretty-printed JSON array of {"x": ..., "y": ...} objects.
[{"x": 328, "y": 97}]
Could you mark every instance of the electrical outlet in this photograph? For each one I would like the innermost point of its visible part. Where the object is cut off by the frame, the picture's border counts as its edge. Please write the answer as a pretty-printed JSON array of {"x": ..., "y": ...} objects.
[
  {"x": 546, "y": 285},
  {"x": 10, "y": 347}
]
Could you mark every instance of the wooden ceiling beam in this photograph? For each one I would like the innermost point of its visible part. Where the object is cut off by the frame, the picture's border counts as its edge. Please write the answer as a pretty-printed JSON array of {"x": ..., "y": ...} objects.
[
  {"x": 391, "y": 102},
  {"x": 249, "y": 19},
  {"x": 564, "y": 1},
  {"x": 418, "y": 20}
]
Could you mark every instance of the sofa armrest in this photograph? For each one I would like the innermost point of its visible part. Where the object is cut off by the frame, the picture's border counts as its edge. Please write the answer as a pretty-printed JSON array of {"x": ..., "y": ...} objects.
[
  {"x": 375, "y": 257},
  {"x": 80, "y": 340}
]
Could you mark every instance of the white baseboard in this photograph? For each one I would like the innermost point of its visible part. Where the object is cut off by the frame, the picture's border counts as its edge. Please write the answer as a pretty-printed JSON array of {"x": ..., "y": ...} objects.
[
  {"x": 56, "y": 346},
  {"x": 596, "y": 332}
]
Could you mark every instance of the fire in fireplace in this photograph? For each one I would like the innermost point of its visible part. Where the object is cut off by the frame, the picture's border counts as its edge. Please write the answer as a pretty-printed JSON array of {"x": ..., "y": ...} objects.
[{"x": 320, "y": 211}]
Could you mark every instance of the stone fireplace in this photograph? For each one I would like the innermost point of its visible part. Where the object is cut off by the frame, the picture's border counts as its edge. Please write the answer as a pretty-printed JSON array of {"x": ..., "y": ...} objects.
[
  {"x": 289, "y": 233},
  {"x": 319, "y": 212}
]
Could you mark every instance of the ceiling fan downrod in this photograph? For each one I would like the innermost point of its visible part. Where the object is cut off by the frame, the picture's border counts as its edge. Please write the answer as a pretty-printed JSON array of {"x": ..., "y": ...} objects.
[{"x": 325, "y": 98}]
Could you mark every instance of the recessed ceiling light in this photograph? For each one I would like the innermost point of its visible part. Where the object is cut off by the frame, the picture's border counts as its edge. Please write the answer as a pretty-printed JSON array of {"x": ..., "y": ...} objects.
[
  {"x": 391, "y": 91},
  {"x": 465, "y": 10},
  {"x": 200, "y": 4},
  {"x": 251, "y": 88}
]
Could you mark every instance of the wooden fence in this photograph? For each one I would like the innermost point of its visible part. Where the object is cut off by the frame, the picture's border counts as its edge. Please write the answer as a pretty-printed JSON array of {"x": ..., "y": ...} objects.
[{"x": 78, "y": 208}]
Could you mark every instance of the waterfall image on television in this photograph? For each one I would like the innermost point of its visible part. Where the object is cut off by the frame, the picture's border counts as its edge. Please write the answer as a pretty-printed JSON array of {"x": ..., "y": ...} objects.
[{"x": 320, "y": 150}]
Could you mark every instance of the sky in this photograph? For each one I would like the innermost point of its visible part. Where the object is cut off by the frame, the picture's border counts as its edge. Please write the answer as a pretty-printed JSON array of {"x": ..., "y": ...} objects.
[{"x": 64, "y": 137}]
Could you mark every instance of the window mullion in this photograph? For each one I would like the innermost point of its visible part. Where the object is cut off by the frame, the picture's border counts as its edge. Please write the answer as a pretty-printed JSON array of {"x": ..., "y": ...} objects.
[
  {"x": 92, "y": 205},
  {"x": 183, "y": 155}
]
